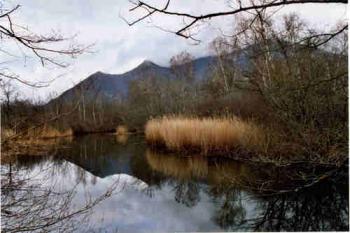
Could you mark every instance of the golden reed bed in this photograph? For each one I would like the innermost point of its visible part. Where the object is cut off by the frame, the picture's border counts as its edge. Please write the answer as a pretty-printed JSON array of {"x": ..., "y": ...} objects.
[{"x": 207, "y": 134}]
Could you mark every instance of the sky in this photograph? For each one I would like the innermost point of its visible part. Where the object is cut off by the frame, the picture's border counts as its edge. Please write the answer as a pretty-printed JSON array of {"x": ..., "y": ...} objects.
[{"x": 118, "y": 47}]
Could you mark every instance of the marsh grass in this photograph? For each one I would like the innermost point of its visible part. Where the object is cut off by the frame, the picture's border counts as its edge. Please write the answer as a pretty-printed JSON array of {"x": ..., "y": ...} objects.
[
  {"x": 48, "y": 132},
  {"x": 7, "y": 133},
  {"x": 45, "y": 132},
  {"x": 33, "y": 147},
  {"x": 35, "y": 141},
  {"x": 206, "y": 135}
]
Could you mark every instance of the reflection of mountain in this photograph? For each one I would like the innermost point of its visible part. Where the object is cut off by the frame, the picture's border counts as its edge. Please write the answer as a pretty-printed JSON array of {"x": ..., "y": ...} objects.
[
  {"x": 125, "y": 180},
  {"x": 105, "y": 156},
  {"x": 100, "y": 162}
]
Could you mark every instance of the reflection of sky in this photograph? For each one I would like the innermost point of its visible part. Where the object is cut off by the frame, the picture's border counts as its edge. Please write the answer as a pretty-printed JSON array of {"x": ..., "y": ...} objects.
[
  {"x": 130, "y": 208},
  {"x": 134, "y": 211},
  {"x": 137, "y": 206}
]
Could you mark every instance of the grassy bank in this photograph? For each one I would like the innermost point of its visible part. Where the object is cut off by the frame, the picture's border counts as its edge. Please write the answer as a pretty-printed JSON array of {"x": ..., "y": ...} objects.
[
  {"x": 47, "y": 132},
  {"x": 35, "y": 141},
  {"x": 37, "y": 133},
  {"x": 206, "y": 135}
]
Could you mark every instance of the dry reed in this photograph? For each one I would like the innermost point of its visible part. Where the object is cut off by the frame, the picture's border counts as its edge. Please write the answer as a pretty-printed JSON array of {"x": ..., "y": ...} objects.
[
  {"x": 48, "y": 132},
  {"x": 7, "y": 133},
  {"x": 207, "y": 135},
  {"x": 35, "y": 141},
  {"x": 122, "y": 130}
]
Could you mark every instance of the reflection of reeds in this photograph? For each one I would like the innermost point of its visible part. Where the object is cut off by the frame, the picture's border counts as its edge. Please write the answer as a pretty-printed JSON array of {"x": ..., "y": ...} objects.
[
  {"x": 122, "y": 134},
  {"x": 230, "y": 173},
  {"x": 122, "y": 139},
  {"x": 224, "y": 174},
  {"x": 217, "y": 173},
  {"x": 210, "y": 134},
  {"x": 178, "y": 167}
]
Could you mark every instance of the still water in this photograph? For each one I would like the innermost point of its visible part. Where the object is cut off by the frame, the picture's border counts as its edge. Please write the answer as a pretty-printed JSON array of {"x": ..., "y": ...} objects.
[{"x": 121, "y": 186}]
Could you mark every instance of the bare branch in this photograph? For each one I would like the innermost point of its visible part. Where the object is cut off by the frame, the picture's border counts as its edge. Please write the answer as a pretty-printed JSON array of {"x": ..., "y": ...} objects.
[
  {"x": 40, "y": 46},
  {"x": 196, "y": 18}
]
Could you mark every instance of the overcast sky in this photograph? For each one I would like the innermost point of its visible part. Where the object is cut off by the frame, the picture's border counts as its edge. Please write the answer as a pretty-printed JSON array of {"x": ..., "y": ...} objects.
[{"x": 118, "y": 47}]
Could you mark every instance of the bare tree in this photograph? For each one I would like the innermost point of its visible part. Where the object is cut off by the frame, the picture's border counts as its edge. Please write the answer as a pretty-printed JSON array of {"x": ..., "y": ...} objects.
[
  {"x": 237, "y": 7},
  {"x": 45, "y": 47},
  {"x": 9, "y": 94},
  {"x": 182, "y": 66},
  {"x": 224, "y": 70},
  {"x": 30, "y": 206}
]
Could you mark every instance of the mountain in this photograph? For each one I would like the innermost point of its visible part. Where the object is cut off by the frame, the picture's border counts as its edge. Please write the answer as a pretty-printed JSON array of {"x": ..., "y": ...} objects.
[
  {"x": 111, "y": 87},
  {"x": 115, "y": 86}
]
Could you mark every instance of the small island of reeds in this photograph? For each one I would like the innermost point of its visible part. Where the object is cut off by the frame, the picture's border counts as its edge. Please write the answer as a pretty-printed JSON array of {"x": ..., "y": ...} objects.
[{"x": 206, "y": 135}]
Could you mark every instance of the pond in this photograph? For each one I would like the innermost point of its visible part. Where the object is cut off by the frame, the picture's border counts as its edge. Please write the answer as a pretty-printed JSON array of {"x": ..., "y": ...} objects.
[{"x": 108, "y": 183}]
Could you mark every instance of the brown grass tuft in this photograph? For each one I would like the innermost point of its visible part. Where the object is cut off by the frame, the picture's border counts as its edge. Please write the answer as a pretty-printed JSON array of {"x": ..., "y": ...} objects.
[
  {"x": 7, "y": 133},
  {"x": 122, "y": 130},
  {"x": 207, "y": 135}
]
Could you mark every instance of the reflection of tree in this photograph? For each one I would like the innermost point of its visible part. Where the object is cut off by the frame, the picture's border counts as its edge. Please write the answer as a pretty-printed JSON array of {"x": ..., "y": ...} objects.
[
  {"x": 324, "y": 207},
  {"x": 318, "y": 205},
  {"x": 321, "y": 207},
  {"x": 231, "y": 211},
  {"x": 187, "y": 193},
  {"x": 30, "y": 205}
]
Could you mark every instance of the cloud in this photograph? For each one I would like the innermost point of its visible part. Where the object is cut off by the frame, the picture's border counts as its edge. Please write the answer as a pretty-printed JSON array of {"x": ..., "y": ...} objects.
[{"x": 118, "y": 47}]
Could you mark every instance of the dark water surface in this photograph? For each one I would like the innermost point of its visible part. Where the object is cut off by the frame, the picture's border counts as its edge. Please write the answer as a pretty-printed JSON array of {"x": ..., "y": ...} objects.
[{"x": 152, "y": 192}]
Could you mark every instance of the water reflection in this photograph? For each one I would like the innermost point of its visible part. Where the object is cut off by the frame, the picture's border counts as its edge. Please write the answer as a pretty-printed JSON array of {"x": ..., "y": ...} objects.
[
  {"x": 319, "y": 208},
  {"x": 122, "y": 139},
  {"x": 161, "y": 192},
  {"x": 223, "y": 173},
  {"x": 182, "y": 168}
]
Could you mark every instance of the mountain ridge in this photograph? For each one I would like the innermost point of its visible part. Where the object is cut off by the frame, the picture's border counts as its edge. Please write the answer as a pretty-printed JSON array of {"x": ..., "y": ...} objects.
[{"x": 115, "y": 86}]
